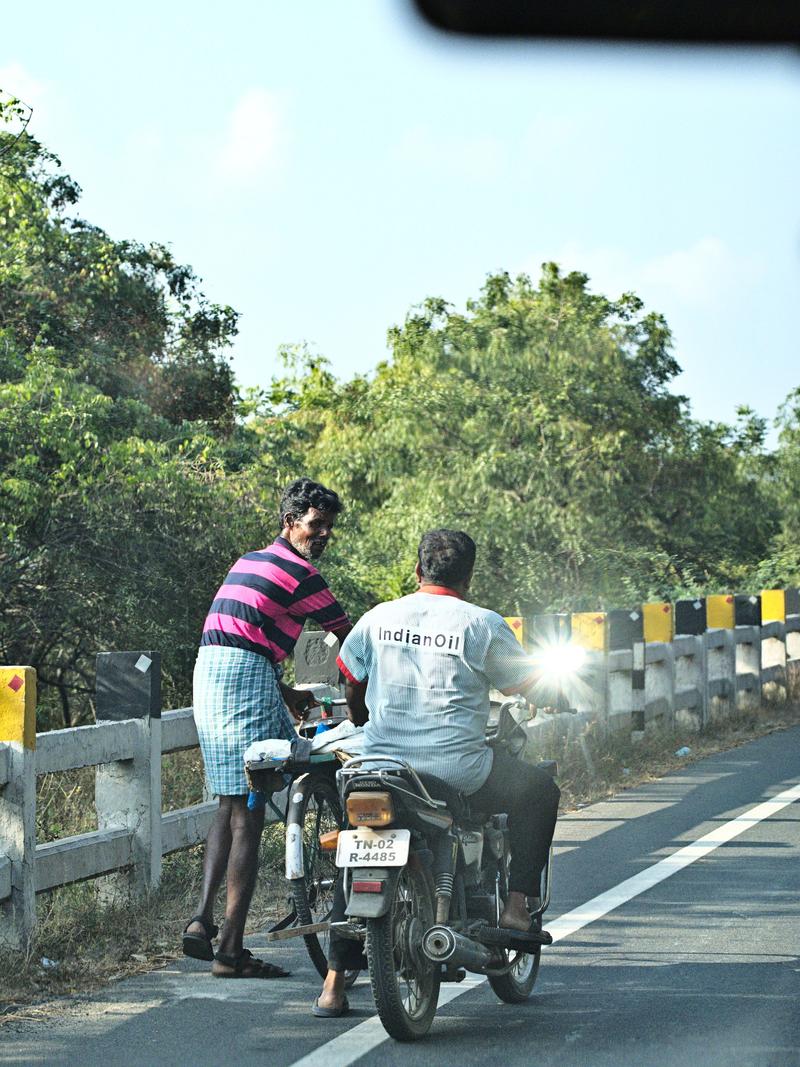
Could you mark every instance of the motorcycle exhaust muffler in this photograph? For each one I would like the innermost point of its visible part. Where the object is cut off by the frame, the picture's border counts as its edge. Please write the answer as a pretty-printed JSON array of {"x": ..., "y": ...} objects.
[{"x": 443, "y": 945}]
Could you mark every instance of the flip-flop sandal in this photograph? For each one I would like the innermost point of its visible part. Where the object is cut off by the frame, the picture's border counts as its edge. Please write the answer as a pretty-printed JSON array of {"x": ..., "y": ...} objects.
[
  {"x": 198, "y": 946},
  {"x": 256, "y": 968},
  {"x": 330, "y": 1013}
]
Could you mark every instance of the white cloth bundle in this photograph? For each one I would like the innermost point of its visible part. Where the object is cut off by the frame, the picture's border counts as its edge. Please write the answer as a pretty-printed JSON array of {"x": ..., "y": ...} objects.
[
  {"x": 344, "y": 737},
  {"x": 261, "y": 754}
]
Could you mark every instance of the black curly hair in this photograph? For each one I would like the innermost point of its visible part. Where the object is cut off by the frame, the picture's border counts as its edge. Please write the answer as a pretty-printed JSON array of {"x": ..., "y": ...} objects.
[
  {"x": 446, "y": 557},
  {"x": 302, "y": 494}
]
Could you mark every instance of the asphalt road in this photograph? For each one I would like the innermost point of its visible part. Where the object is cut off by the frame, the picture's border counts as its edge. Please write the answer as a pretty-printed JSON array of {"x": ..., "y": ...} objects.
[{"x": 701, "y": 967}]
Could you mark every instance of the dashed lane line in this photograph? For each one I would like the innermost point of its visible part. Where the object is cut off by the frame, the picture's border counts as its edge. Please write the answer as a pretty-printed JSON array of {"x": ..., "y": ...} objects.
[{"x": 345, "y": 1049}]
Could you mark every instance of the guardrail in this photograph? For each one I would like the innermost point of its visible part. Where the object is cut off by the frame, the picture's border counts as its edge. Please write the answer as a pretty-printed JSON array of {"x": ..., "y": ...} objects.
[
  {"x": 133, "y": 834},
  {"x": 691, "y": 680}
]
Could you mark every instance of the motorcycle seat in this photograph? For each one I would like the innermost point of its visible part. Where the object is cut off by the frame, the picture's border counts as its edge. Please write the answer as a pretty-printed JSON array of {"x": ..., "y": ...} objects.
[{"x": 458, "y": 804}]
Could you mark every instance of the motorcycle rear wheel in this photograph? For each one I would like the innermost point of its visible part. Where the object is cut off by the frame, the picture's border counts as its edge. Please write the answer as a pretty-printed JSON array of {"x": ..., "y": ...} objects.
[{"x": 405, "y": 984}]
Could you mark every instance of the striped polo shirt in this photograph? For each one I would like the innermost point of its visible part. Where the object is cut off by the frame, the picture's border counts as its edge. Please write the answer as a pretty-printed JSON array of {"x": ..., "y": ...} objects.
[
  {"x": 430, "y": 660},
  {"x": 265, "y": 599}
]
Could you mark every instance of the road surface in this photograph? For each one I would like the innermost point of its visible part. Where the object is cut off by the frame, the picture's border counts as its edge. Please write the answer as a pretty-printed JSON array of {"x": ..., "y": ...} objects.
[{"x": 695, "y": 960}]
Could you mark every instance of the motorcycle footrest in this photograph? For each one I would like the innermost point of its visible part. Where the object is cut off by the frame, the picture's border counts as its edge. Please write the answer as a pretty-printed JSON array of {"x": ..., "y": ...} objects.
[
  {"x": 349, "y": 930},
  {"x": 498, "y": 937}
]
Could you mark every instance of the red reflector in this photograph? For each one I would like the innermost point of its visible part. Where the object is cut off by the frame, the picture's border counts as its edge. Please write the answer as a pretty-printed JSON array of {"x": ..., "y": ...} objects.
[{"x": 368, "y": 887}]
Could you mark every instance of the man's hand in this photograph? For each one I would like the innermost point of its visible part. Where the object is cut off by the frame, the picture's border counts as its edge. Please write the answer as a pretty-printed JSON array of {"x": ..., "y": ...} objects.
[{"x": 298, "y": 701}]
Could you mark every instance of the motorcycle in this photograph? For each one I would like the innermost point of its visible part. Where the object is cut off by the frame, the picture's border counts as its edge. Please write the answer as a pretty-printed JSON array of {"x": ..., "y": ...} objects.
[{"x": 425, "y": 880}]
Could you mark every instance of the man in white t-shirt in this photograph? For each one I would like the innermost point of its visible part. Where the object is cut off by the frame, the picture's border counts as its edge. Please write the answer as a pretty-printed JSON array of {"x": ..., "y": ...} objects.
[{"x": 424, "y": 665}]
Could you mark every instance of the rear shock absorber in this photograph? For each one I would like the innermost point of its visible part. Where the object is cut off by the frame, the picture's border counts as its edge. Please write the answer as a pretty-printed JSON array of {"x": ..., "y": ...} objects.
[
  {"x": 444, "y": 894},
  {"x": 444, "y": 866}
]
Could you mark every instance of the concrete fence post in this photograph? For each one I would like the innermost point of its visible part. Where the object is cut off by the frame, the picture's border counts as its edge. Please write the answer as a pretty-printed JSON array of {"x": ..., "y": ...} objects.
[
  {"x": 18, "y": 804},
  {"x": 793, "y": 656},
  {"x": 720, "y": 680},
  {"x": 128, "y": 792},
  {"x": 620, "y": 702},
  {"x": 748, "y": 667},
  {"x": 689, "y": 700},
  {"x": 773, "y": 661},
  {"x": 659, "y": 684}
]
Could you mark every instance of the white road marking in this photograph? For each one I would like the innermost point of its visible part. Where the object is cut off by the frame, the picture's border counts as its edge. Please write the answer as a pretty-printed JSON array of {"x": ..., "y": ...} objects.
[{"x": 350, "y": 1046}]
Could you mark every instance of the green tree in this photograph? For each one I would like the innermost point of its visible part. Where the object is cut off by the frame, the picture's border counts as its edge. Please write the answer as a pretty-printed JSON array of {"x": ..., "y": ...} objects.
[
  {"x": 111, "y": 537},
  {"x": 125, "y": 315},
  {"x": 540, "y": 420}
]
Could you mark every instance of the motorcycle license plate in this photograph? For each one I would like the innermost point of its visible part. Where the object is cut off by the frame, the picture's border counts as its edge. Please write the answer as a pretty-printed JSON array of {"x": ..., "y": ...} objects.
[{"x": 372, "y": 848}]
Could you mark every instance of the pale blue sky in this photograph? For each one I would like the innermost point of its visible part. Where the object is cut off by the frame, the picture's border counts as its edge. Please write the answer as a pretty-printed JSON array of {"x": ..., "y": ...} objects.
[{"x": 324, "y": 166}]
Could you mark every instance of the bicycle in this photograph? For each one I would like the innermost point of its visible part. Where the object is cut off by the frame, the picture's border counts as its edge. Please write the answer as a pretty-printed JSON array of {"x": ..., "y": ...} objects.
[{"x": 313, "y": 808}]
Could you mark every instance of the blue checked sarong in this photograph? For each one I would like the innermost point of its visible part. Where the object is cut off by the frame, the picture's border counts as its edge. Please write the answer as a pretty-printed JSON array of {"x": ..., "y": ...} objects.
[{"x": 237, "y": 700}]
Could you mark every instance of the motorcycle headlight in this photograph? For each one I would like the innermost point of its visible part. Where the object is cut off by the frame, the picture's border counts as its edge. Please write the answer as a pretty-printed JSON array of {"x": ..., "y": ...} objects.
[{"x": 561, "y": 661}]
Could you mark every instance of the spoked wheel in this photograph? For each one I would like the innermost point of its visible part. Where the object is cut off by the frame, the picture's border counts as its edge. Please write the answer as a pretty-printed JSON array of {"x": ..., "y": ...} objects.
[
  {"x": 313, "y": 894},
  {"x": 405, "y": 984},
  {"x": 516, "y": 983}
]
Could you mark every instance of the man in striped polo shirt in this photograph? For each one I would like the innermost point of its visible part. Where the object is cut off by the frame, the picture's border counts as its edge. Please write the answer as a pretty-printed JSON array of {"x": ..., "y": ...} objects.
[{"x": 252, "y": 626}]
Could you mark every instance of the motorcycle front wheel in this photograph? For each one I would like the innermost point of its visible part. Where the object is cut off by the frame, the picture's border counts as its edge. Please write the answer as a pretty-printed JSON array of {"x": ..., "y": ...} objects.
[
  {"x": 516, "y": 984},
  {"x": 405, "y": 984}
]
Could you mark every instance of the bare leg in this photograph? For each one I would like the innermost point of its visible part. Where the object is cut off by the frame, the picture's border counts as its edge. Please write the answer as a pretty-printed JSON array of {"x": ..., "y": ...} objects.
[
  {"x": 332, "y": 994},
  {"x": 246, "y": 827},
  {"x": 215, "y": 862}
]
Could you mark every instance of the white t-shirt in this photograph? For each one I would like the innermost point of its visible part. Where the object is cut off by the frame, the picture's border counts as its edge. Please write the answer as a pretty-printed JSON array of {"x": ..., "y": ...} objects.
[{"x": 430, "y": 661}]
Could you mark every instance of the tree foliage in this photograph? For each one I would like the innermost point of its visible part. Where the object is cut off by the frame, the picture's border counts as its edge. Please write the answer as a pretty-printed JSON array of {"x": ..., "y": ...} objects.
[
  {"x": 126, "y": 316},
  {"x": 541, "y": 421}
]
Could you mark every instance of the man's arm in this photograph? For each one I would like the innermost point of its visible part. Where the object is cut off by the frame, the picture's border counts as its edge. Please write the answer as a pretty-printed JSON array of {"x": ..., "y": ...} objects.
[
  {"x": 342, "y": 631},
  {"x": 357, "y": 710},
  {"x": 352, "y": 664},
  {"x": 508, "y": 666}
]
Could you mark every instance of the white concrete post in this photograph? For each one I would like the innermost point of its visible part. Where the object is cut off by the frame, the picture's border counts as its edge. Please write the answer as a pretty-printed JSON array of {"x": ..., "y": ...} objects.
[
  {"x": 590, "y": 694},
  {"x": 748, "y": 667},
  {"x": 593, "y": 696},
  {"x": 773, "y": 661},
  {"x": 720, "y": 674},
  {"x": 18, "y": 804},
  {"x": 128, "y": 792},
  {"x": 793, "y": 656},
  {"x": 690, "y": 682},
  {"x": 620, "y": 701},
  {"x": 128, "y": 795},
  {"x": 659, "y": 684}
]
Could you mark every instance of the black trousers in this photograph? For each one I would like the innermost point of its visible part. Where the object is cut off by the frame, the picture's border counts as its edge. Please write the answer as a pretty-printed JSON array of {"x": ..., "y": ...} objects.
[{"x": 529, "y": 797}]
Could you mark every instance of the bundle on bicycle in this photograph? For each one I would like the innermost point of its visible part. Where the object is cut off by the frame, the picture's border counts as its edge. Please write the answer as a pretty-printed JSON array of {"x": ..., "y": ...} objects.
[{"x": 425, "y": 879}]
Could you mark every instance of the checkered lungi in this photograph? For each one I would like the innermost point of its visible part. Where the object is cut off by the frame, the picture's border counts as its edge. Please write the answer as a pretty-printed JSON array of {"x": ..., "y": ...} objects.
[{"x": 237, "y": 700}]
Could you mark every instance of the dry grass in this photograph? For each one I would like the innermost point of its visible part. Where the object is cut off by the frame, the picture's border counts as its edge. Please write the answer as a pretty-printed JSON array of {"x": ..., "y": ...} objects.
[{"x": 93, "y": 944}]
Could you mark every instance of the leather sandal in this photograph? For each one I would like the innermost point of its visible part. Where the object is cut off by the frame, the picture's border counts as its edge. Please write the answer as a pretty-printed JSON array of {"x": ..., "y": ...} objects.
[
  {"x": 198, "y": 946},
  {"x": 330, "y": 1013},
  {"x": 248, "y": 963}
]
